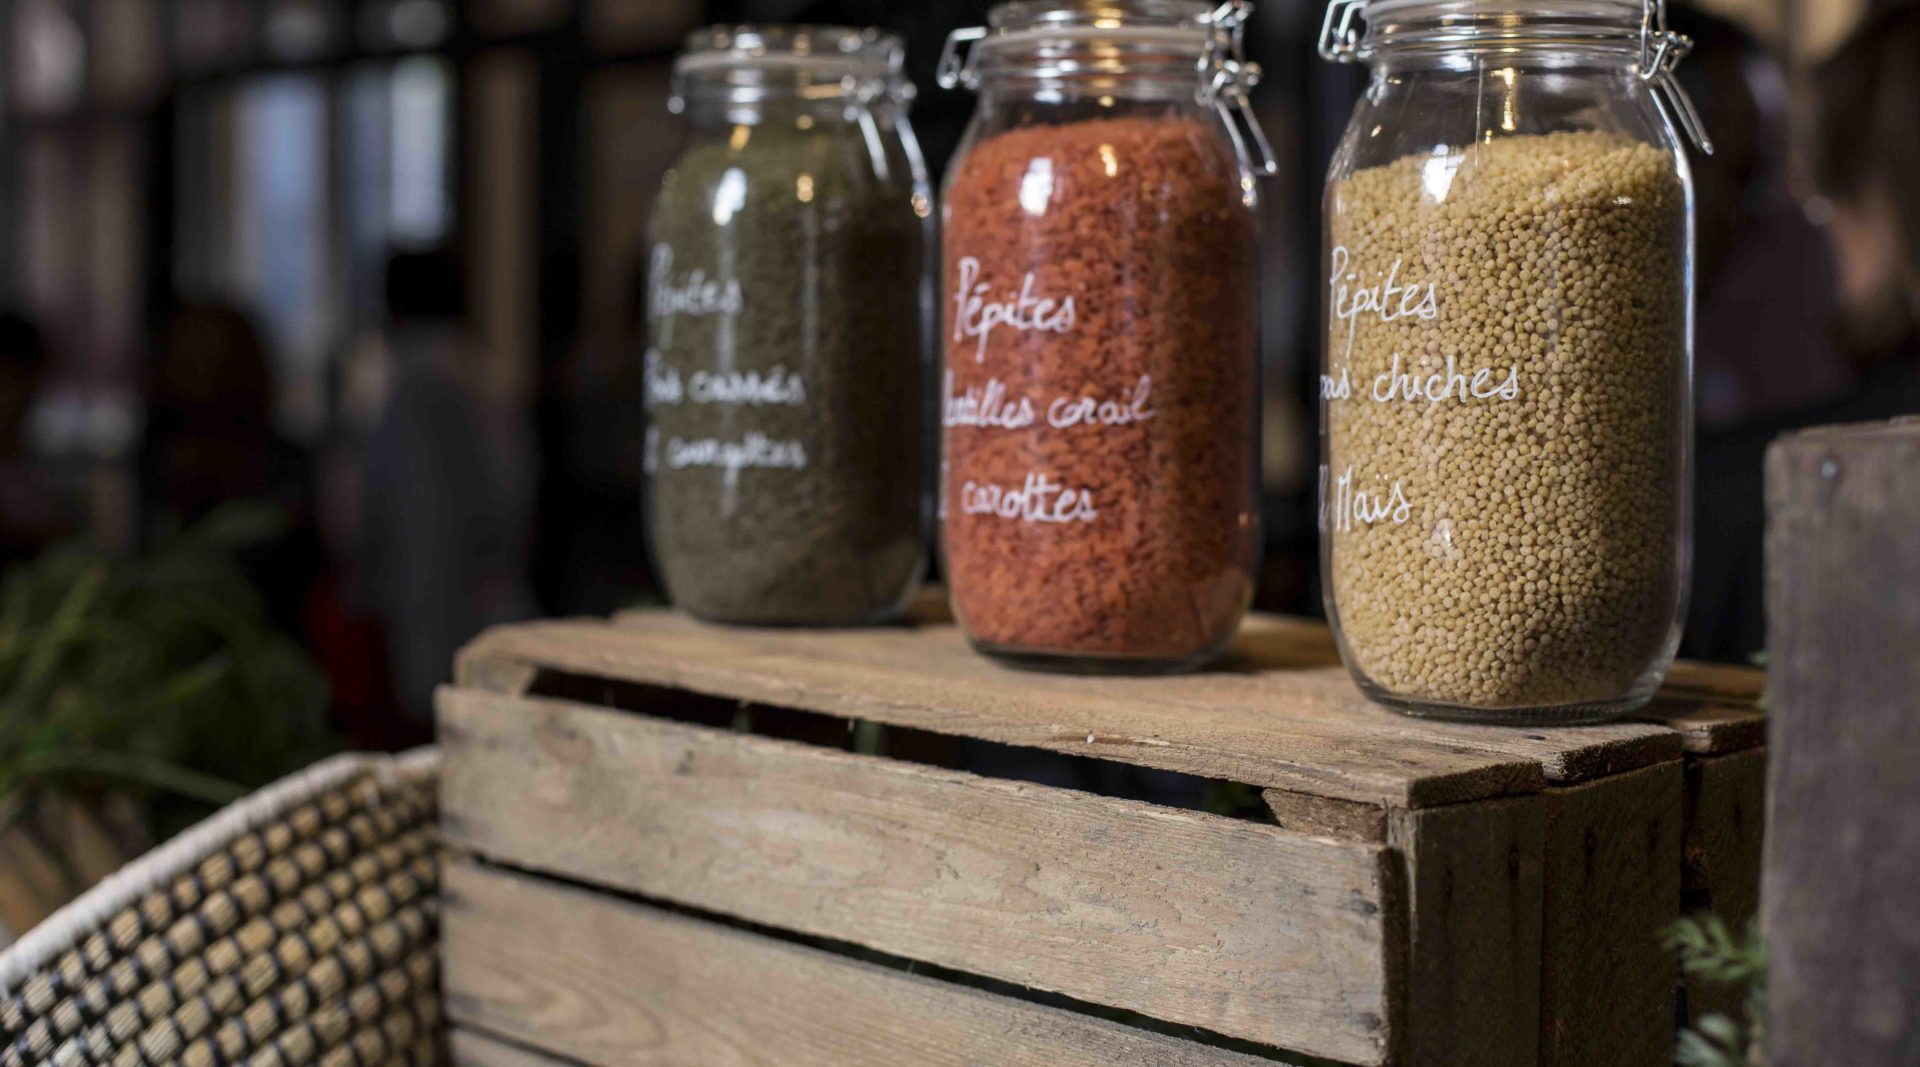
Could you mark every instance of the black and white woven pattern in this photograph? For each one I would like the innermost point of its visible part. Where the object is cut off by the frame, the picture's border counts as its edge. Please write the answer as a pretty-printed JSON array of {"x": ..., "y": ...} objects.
[{"x": 297, "y": 927}]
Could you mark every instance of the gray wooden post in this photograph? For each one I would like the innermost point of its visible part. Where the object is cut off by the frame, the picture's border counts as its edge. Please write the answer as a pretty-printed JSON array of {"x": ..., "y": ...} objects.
[{"x": 1841, "y": 884}]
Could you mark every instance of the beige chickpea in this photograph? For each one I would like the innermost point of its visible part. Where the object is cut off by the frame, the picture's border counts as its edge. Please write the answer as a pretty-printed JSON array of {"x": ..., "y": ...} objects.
[{"x": 1536, "y": 566}]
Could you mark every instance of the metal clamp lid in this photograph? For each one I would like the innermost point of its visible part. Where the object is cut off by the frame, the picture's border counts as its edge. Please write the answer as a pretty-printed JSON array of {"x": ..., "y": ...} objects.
[
  {"x": 1661, "y": 49},
  {"x": 1227, "y": 79},
  {"x": 956, "y": 67},
  {"x": 1340, "y": 31},
  {"x": 864, "y": 65},
  {"x": 1225, "y": 76}
]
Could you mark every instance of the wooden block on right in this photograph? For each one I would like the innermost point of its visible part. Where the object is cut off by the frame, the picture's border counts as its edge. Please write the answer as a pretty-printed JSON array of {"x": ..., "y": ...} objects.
[{"x": 1841, "y": 897}]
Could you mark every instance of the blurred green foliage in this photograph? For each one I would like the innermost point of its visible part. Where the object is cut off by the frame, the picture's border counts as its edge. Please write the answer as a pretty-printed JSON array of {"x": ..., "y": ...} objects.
[
  {"x": 1709, "y": 951},
  {"x": 162, "y": 674}
]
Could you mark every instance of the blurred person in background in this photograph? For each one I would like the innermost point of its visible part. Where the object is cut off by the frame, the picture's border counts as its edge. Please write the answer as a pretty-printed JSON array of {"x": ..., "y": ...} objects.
[
  {"x": 31, "y": 512},
  {"x": 210, "y": 442},
  {"x": 1865, "y": 139},
  {"x": 1765, "y": 340},
  {"x": 448, "y": 489}
]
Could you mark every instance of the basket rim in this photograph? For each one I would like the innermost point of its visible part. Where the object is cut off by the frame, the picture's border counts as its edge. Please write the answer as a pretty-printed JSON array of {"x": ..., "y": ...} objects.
[{"x": 159, "y": 868}]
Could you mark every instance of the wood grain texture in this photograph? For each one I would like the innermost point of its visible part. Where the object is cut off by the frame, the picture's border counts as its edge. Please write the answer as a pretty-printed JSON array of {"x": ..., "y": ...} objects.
[
  {"x": 1841, "y": 885},
  {"x": 1612, "y": 886},
  {"x": 1725, "y": 828},
  {"x": 1235, "y": 927},
  {"x": 613, "y": 983},
  {"x": 1475, "y": 893},
  {"x": 1277, "y": 715},
  {"x": 471, "y": 1048},
  {"x": 1316, "y": 816},
  {"x": 1711, "y": 729}
]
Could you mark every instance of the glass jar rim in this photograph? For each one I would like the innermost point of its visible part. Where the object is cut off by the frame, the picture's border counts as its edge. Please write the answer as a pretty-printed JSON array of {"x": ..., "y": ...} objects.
[
  {"x": 1629, "y": 9},
  {"x": 834, "y": 51},
  {"x": 1103, "y": 36},
  {"x": 1396, "y": 24}
]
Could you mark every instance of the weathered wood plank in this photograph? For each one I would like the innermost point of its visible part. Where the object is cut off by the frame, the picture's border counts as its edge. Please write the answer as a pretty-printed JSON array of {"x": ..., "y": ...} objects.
[
  {"x": 1316, "y": 816},
  {"x": 1276, "y": 716},
  {"x": 1612, "y": 886},
  {"x": 1714, "y": 706},
  {"x": 1725, "y": 824},
  {"x": 470, "y": 1048},
  {"x": 1841, "y": 907},
  {"x": 1242, "y": 929},
  {"x": 1475, "y": 897},
  {"x": 1714, "y": 729},
  {"x": 1715, "y": 683},
  {"x": 617, "y": 984}
]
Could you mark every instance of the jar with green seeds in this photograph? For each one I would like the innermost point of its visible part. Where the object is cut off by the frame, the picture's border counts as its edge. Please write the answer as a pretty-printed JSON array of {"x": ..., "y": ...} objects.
[
  {"x": 788, "y": 332},
  {"x": 1506, "y": 390}
]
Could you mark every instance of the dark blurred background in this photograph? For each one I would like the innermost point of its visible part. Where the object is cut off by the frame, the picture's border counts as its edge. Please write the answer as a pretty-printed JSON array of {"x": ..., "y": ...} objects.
[{"x": 375, "y": 264}]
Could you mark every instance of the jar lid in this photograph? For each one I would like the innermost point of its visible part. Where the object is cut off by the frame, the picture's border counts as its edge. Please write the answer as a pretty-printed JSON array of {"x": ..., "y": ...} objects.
[
  {"x": 1060, "y": 38},
  {"x": 1204, "y": 43},
  {"x": 746, "y": 57},
  {"x": 1359, "y": 29}
]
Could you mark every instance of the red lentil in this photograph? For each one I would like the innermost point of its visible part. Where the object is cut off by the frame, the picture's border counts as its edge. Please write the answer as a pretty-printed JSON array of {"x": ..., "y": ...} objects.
[{"x": 1099, "y": 390}]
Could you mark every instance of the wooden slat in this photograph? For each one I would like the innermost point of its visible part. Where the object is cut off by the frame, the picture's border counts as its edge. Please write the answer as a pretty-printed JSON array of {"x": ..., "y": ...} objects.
[
  {"x": 1717, "y": 683},
  {"x": 612, "y": 983},
  {"x": 1315, "y": 816},
  {"x": 1841, "y": 889},
  {"x": 1238, "y": 928},
  {"x": 1277, "y": 715},
  {"x": 1726, "y": 822},
  {"x": 1475, "y": 893},
  {"x": 470, "y": 1048},
  {"x": 1711, "y": 729},
  {"x": 1612, "y": 888}
]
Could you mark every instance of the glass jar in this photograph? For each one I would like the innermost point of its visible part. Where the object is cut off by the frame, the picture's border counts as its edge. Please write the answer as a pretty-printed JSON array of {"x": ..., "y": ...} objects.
[
  {"x": 1098, "y": 398},
  {"x": 1507, "y": 380},
  {"x": 788, "y": 331}
]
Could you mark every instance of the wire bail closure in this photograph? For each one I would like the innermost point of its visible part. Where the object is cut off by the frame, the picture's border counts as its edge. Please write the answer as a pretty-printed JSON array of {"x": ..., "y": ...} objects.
[
  {"x": 1661, "y": 50},
  {"x": 1340, "y": 31},
  {"x": 1227, "y": 79},
  {"x": 956, "y": 59}
]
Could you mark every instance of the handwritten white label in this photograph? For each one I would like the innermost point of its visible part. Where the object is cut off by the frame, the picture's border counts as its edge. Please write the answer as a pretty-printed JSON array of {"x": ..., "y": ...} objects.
[
  {"x": 1346, "y": 500},
  {"x": 1445, "y": 384},
  {"x": 694, "y": 295},
  {"x": 775, "y": 388},
  {"x": 664, "y": 387},
  {"x": 755, "y": 451},
  {"x": 778, "y": 387},
  {"x": 1137, "y": 406},
  {"x": 976, "y": 315},
  {"x": 1389, "y": 301},
  {"x": 1039, "y": 500},
  {"x": 985, "y": 406}
]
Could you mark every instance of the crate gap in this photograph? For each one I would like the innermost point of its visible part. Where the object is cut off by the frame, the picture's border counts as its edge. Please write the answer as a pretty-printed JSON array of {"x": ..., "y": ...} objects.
[{"x": 988, "y": 759}]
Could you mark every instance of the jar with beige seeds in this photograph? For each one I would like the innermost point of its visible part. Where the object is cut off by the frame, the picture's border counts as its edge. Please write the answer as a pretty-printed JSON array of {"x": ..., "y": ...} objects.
[{"x": 1506, "y": 393}]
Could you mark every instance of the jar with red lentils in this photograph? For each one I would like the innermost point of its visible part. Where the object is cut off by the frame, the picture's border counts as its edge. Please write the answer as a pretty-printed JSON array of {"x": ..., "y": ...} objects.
[
  {"x": 1506, "y": 392},
  {"x": 1099, "y": 392}
]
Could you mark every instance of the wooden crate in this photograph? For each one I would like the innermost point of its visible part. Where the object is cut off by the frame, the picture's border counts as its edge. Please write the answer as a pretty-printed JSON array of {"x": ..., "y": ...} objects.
[{"x": 688, "y": 844}]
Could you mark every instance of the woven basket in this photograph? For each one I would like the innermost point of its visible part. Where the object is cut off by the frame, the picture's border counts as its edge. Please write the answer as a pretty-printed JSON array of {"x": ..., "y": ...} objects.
[{"x": 296, "y": 927}]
